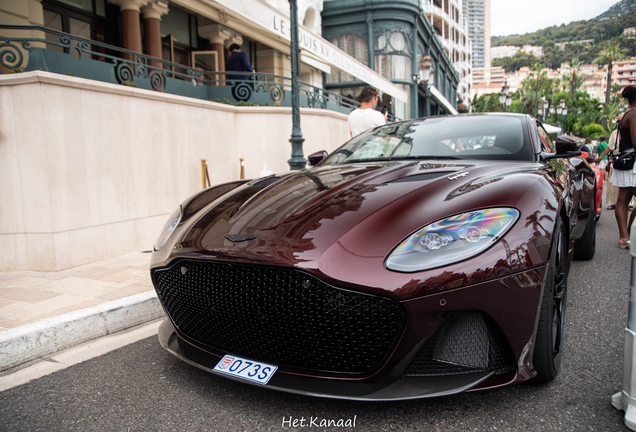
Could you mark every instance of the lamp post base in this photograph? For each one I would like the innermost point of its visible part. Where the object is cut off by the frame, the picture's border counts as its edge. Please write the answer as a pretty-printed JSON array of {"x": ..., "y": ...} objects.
[{"x": 297, "y": 161}]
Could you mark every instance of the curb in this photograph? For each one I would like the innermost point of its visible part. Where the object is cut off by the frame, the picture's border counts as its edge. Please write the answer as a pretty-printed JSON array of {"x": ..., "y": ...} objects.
[{"x": 31, "y": 341}]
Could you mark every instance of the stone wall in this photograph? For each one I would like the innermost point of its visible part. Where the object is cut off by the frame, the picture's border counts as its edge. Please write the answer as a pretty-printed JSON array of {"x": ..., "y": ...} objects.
[{"x": 91, "y": 170}]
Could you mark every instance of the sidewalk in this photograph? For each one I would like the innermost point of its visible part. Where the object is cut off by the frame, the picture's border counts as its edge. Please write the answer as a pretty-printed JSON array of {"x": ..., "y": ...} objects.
[{"x": 44, "y": 312}]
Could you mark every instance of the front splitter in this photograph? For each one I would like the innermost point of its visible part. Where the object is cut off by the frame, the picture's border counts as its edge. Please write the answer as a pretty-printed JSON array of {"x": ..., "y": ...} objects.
[{"x": 403, "y": 388}]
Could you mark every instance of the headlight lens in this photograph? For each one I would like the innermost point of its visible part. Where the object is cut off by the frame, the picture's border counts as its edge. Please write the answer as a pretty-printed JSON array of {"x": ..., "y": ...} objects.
[
  {"x": 168, "y": 228},
  {"x": 451, "y": 240}
]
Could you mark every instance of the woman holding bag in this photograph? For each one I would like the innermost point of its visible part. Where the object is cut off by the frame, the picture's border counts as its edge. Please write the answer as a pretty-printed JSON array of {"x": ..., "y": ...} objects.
[
  {"x": 624, "y": 176},
  {"x": 611, "y": 191}
]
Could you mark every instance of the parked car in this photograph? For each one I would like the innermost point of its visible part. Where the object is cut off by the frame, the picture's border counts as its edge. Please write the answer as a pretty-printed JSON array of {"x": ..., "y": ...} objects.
[
  {"x": 422, "y": 258},
  {"x": 589, "y": 157}
]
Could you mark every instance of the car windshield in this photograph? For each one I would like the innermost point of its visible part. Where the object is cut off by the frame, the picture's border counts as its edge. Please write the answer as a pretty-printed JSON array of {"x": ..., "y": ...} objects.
[{"x": 497, "y": 137}]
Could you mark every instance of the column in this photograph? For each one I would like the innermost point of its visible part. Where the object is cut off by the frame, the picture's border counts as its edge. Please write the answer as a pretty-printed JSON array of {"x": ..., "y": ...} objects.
[
  {"x": 131, "y": 28},
  {"x": 152, "y": 13},
  {"x": 217, "y": 35}
]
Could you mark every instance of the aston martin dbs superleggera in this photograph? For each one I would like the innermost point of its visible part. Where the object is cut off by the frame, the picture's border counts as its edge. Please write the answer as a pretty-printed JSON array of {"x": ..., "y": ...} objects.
[{"x": 422, "y": 258}]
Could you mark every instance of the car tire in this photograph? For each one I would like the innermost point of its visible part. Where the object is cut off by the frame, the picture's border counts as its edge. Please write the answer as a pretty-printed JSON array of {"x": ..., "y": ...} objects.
[
  {"x": 549, "y": 343},
  {"x": 585, "y": 247}
]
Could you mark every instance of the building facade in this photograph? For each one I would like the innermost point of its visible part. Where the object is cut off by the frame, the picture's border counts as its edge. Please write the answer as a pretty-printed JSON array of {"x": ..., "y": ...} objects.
[
  {"x": 451, "y": 27},
  {"x": 194, "y": 33},
  {"x": 392, "y": 38},
  {"x": 477, "y": 13}
]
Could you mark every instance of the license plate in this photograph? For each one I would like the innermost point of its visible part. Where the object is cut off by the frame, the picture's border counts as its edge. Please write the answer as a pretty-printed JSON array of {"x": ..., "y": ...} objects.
[{"x": 245, "y": 369}]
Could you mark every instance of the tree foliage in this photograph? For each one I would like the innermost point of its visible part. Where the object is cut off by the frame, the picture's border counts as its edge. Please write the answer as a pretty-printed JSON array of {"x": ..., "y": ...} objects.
[
  {"x": 585, "y": 116},
  {"x": 599, "y": 31}
]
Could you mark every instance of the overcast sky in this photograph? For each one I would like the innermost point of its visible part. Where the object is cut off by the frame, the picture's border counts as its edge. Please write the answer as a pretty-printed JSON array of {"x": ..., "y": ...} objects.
[{"x": 518, "y": 17}]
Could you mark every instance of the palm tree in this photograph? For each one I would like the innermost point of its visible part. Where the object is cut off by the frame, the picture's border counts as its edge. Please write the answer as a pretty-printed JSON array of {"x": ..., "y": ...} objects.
[
  {"x": 537, "y": 69},
  {"x": 608, "y": 56},
  {"x": 613, "y": 108},
  {"x": 525, "y": 95}
]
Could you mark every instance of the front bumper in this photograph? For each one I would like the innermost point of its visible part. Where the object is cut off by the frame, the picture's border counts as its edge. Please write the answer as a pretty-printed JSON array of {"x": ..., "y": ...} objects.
[
  {"x": 401, "y": 389},
  {"x": 509, "y": 305}
]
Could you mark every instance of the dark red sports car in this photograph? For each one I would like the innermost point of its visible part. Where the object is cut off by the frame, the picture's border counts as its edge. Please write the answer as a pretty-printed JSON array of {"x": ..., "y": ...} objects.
[{"x": 422, "y": 258}]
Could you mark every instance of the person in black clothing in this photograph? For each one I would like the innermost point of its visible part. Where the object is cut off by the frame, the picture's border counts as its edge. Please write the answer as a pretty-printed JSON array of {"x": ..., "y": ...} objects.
[
  {"x": 237, "y": 62},
  {"x": 626, "y": 179}
]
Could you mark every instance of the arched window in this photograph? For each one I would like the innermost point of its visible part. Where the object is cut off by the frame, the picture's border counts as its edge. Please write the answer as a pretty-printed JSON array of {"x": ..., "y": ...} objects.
[{"x": 393, "y": 55}]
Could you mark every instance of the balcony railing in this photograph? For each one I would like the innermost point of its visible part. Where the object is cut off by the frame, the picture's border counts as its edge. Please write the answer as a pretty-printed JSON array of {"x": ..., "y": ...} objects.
[{"x": 67, "y": 54}]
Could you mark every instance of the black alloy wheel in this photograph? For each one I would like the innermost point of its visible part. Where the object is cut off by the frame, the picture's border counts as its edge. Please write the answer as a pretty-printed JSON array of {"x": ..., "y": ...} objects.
[{"x": 548, "y": 351}]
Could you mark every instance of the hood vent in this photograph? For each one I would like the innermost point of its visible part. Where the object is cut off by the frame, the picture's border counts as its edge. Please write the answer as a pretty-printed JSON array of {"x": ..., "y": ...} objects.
[{"x": 422, "y": 177}]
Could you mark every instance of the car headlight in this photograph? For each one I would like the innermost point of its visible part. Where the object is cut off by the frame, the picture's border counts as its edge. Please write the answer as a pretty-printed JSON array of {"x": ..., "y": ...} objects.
[
  {"x": 451, "y": 240},
  {"x": 168, "y": 228}
]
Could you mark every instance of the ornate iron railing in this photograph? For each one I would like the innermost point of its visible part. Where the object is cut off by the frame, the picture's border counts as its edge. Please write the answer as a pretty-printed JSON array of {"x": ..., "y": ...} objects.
[{"x": 64, "y": 53}]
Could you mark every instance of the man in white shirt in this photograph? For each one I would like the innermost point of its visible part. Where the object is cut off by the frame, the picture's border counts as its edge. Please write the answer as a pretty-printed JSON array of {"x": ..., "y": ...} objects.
[{"x": 366, "y": 117}]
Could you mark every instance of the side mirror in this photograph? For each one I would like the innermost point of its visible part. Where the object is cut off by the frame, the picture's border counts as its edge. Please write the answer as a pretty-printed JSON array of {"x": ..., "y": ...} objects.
[
  {"x": 566, "y": 147},
  {"x": 315, "y": 158}
]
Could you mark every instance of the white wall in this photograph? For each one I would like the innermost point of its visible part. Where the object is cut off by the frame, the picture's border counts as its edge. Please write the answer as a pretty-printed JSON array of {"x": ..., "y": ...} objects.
[{"x": 91, "y": 170}]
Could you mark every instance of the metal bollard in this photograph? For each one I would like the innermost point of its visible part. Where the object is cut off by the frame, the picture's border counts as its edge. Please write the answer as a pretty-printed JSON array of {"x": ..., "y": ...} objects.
[
  {"x": 203, "y": 169},
  {"x": 626, "y": 399}
]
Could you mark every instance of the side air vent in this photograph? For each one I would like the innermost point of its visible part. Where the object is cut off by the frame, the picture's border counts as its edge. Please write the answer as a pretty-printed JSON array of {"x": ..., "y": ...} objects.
[
  {"x": 421, "y": 177},
  {"x": 469, "y": 342}
]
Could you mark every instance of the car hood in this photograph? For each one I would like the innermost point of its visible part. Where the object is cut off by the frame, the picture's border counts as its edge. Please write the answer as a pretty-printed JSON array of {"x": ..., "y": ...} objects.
[{"x": 325, "y": 217}]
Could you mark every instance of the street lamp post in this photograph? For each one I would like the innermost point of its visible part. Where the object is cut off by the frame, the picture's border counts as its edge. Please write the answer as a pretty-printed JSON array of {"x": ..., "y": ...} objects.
[
  {"x": 297, "y": 161},
  {"x": 562, "y": 110},
  {"x": 551, "y": 110}
]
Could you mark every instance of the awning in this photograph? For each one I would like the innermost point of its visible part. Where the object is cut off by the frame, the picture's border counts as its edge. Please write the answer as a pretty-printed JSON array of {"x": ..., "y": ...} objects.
[
  {"x": 439, "y": 97},
  {"x": 275, "y": 23}
]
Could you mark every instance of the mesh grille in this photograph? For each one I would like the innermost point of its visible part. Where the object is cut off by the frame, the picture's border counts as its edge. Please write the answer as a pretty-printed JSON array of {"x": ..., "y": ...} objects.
[
  {"x": 468, "y": 342},
  {"x": 282, "y": 316}
]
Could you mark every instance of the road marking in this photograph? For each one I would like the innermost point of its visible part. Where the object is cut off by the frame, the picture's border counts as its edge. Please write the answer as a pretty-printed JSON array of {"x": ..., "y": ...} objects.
[{"x": 77, "y": 354}]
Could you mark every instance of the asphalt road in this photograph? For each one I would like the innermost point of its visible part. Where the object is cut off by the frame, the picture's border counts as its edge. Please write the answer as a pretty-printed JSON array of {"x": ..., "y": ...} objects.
[{"x": 142, "y": 388}]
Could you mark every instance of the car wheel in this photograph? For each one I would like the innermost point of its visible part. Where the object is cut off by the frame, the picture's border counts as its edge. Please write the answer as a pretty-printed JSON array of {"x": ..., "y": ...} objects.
[
  {"x": 585, "y": 247},
  {"x": 548, "y": 349}
]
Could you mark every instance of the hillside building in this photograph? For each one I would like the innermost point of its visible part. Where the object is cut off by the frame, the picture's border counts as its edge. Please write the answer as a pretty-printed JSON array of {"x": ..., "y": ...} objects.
[
  {"x": 624, "y": 73},
  {"x": 510, "y": 51}
]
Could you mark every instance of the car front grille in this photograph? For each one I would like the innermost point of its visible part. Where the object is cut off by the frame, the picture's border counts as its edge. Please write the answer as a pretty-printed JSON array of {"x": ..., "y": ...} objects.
[
  {"x": 468, "y": 342},
  {"x": 282, "y": 316}
]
